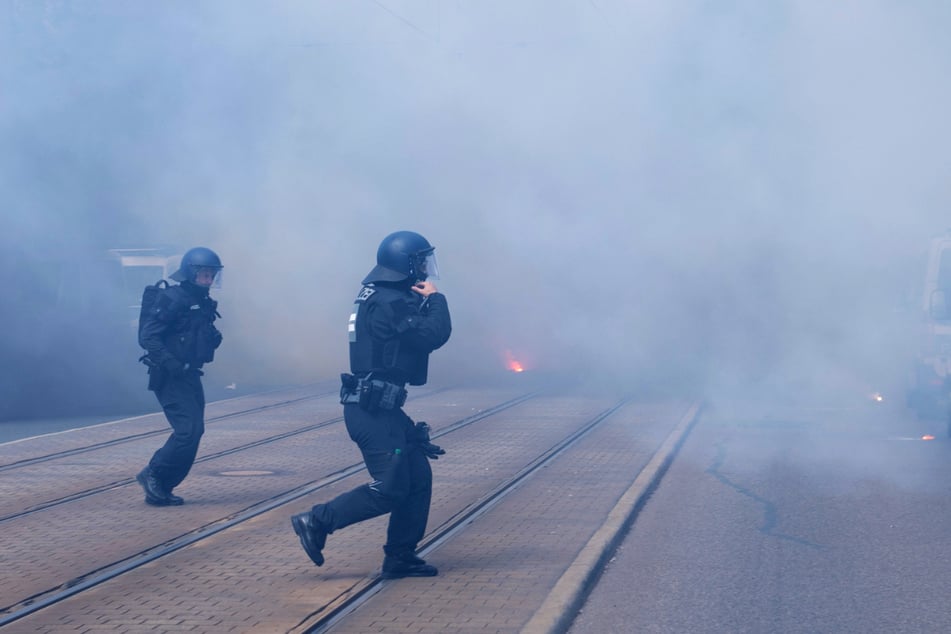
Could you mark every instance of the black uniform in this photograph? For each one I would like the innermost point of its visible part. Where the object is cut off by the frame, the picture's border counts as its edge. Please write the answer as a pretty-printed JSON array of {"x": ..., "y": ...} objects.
[
  {"x": 392, "y": 332},
  {"x": 180, "y": 337}
]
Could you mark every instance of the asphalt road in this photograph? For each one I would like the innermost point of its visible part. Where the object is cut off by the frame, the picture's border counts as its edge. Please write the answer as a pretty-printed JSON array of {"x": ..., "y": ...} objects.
[{"x": 793, "y": 517}]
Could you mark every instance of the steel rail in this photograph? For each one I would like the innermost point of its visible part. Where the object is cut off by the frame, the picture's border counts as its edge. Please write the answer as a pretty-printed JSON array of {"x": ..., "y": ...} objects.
[
  {"x": 154, "y": 432},
  {"x": 329, "y": 615},
  {"x": 212, "y": 456},
  {"x": 93, "y": 578}
]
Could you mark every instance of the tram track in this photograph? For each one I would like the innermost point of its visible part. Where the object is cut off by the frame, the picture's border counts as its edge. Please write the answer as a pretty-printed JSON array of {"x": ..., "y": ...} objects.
[
  {"x": 213, "y": 456},
  {"x": 104, "y": 573},
  {"x": 326, "y": 617},
  {"x": 105, "y": 444},
  {"x": 115, "y": 484}
]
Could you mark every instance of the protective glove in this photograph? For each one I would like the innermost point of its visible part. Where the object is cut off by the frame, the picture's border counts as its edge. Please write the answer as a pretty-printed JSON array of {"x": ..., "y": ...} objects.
[
  {"x": 215, "y": 338},
  {"x": 422, "y": 440}
]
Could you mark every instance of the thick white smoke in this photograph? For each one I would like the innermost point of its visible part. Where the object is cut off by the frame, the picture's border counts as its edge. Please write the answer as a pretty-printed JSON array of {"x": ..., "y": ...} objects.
[{"x": 645, "y": 194}]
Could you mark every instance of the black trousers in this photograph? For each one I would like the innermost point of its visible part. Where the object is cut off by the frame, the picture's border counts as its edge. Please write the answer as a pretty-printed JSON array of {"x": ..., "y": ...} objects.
[
  {"x": 402, "y": 480},
  {"x": 183, "y": 400}
]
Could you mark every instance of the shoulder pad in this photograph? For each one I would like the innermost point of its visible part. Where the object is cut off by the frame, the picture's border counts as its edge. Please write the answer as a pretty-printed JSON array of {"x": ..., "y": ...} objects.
[
  {"x": 404, "y": 314},
  {"x": 401, "y": 307}
]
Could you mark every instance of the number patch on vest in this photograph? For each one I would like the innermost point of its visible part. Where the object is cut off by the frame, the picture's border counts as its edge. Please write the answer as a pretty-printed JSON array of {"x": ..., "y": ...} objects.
[
  {"x": 365, "y": 294},
  {"x": 352, "y": 326}
]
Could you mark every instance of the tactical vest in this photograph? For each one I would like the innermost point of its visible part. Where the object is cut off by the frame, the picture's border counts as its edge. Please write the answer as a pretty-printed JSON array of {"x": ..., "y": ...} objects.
[
  {"x": 388, "y": 359},
  {"x": 191, "y": 337}
]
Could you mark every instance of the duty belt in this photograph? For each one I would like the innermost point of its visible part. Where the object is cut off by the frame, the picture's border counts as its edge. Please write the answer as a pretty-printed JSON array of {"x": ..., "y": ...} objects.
[
  {"x": 347, "y": 398},
  {"x": 371, "y": 394}
]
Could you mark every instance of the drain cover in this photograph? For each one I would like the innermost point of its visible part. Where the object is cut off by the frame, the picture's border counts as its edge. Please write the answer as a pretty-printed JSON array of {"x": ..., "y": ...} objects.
[{"x": 245, "y": 474}]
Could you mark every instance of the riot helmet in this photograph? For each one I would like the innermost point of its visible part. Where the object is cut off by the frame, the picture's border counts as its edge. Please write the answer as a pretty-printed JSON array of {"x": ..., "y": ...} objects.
[
  {"x": 402, "y": 256},
  {"x": 199, "y": 260}
]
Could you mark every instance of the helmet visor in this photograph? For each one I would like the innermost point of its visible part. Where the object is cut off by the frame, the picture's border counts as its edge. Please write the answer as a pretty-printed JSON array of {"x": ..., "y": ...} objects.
[
  {"x": 428, "y": 269},
  {"x": 208, "y": 276}
]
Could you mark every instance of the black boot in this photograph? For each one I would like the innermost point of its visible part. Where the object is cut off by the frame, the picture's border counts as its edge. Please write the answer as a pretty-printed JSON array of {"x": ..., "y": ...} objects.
[
  {"x": 406, "y": 565},
  {"x": 312, "y": 535},
  {"x": 174, "y": 500},
  {"x": 155, "y": 494}
]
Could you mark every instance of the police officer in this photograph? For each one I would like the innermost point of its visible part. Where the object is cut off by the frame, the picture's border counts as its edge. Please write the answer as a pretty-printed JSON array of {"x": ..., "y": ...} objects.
[
  {"x": 398, "y": 319},
  {"x": 179, "y": 335}
]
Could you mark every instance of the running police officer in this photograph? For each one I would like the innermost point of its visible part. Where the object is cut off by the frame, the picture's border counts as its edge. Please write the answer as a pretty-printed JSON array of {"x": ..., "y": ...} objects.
[
  {"x": 179, "y": 335},
  {"x": 398, "y": 319}
]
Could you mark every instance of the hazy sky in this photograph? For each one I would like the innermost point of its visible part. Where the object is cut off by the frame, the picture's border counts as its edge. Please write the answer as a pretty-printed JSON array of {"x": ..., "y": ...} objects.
[{"x": 708, "y": 193}]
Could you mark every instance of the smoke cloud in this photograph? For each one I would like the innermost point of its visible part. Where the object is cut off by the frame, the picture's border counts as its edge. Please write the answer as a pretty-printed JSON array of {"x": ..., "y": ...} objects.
[{"x": 678, "y": 196}]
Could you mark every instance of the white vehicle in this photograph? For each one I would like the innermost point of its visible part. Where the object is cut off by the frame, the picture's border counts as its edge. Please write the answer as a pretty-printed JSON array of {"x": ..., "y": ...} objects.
[{"x": 930, "y": 390}]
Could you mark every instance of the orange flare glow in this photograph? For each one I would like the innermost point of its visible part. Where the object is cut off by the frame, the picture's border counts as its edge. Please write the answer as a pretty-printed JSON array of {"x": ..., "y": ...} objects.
[
  {"x": 927, "y": 437},
  {"x": 511, "y": 363}
]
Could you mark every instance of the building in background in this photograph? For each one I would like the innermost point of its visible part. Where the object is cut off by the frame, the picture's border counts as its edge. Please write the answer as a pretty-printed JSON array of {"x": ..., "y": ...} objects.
[{"x": 70, "y": 322}]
